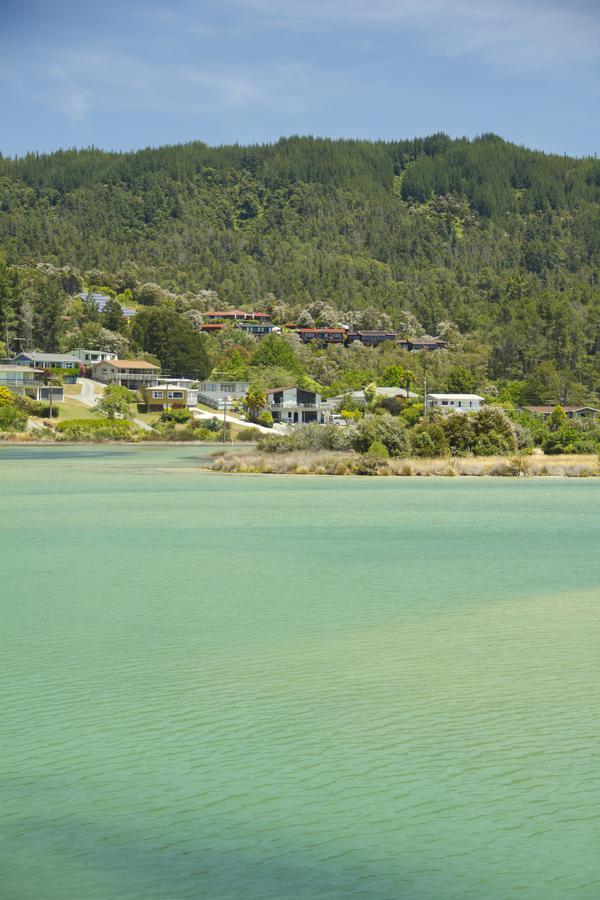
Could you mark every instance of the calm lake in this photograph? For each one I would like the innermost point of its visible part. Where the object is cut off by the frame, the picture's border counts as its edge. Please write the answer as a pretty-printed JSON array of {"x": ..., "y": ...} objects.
[{"x": 294, "y": 687}]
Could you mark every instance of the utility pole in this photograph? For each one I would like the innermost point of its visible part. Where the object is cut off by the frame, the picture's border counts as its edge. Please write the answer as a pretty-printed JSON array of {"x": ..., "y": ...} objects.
[
  {"x": 424, "y": 397},
  {"x": 225, "y": 418}
]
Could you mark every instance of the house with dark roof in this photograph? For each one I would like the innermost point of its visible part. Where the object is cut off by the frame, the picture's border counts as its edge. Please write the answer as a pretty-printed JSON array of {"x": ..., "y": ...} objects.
[
  {"x": 323, "y": 335},
  {"x": 423, "y": 343},
  {"x": 371, "y": 338}
]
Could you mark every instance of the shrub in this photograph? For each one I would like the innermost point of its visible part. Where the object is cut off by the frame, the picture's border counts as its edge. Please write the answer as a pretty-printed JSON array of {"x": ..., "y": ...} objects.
[
  {"x": 265, "y": 419},
  {"x": 385, "y": 429},
  {"x": 249, "y": 434},
  {"x": 368, "y": 465},
  {"x": 176, "y": 415},
  {"x": 12, "y": 418},
  {"x": 429, "y": 440},
  {"x": 95, "y": 430},
  {"x": 377, "y": 450}
]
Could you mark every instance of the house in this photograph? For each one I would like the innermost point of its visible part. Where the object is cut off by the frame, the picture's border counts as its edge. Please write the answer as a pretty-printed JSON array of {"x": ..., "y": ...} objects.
[
  {"x": 233, "y": 315},
  {"x": 100, "y": 301},
  {"x": 215, "y": 393},
  {"x": 25, "y": 381},
  {"x": 91, "y": 356},
  {"x": 38, "y": 360},
  {"x": 258, "y": 328},
  {"x": 134, "y": 374},
  {"x": 371, "y": 338},
  {"x": 325, "y": 335},
  {"x": 295, "y": 406},
  {"x": 573, "y": 412},
  {"x": 169, "y": 396},
  {"x": 423, "y": 343},
  {"x": 455, "y": 402}
]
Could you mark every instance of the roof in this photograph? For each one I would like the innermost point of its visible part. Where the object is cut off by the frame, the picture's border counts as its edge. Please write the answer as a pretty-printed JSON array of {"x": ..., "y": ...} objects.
[
  {"x": 224, "y": 313},
  {"x": 167, "y": 387},
  {"x": 455, "y": 396},
  {"x": 390, "y": 334},
  {"x": 127, "y": 364},
  {"x": 321, "y": 330},
  {"x": 289, "y": 388},
  {"x": 24, "y": 370},
  {"x": 216, "y": 325},
  {"x": 38, "y": 356}
]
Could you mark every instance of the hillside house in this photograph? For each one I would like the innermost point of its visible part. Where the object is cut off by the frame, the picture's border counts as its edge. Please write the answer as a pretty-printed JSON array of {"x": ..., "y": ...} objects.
[
  {"x": 323, "y": 335},
  {"x": 259, "y": 327},
  {"x": 234, "y": 315},
  {"x": 455, "y": 402},
  {"x": 135, "y": 374},
  {"x": 295, "y": 406},
  {"x": 371, "y": 338},
  {"x": 100, "y": 301},
  {"x": 25, "y": 381},
  {"x": 35, "y": 359},
  {"x": 423, "y": 343},
  {"x": 215, "y": 393},
  {"x": 88, "y": 357},
  {"x": 170, "y": 396}
]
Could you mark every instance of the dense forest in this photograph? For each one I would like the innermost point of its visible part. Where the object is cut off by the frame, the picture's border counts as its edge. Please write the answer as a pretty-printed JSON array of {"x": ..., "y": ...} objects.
[{"x": 491, "y": 244}]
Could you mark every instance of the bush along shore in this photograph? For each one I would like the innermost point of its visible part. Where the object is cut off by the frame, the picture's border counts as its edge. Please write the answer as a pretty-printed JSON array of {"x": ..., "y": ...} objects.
[
  {"x": 332, "y": 462},
  {"x": 484, "y": 443}
]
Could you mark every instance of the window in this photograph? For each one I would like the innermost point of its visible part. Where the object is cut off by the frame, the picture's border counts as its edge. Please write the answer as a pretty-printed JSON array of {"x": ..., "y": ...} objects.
[
  {"x": 175, "y": 395},
  {"x": 157, "y": 395},
  {"x": 444, "y": 403}
]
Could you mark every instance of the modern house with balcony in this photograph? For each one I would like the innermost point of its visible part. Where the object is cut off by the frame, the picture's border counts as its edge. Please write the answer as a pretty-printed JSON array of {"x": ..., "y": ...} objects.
[
  {"x": 89, "y": 357},
  {"x": 135, "y": 374},
  {"x": 455, "y": 402},
  {"x": 295, "y": 406},
  {"x": 25, "y": 381}
]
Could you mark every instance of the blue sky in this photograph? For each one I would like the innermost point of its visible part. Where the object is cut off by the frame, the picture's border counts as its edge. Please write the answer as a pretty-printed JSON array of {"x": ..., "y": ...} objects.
[{"x": 123, "y": 74}]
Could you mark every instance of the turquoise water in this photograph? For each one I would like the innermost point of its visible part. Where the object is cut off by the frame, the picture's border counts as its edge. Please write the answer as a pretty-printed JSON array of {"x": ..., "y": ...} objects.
[{"x": 270, "y": 687}]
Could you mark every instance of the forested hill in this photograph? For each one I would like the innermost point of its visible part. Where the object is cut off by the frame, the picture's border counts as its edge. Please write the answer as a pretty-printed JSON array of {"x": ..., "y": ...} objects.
[{"x": 502, "y": 240}]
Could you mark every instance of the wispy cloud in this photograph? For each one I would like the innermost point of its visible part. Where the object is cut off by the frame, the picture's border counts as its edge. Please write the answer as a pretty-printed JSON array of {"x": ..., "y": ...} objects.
[{"x": 519, "y": 34}]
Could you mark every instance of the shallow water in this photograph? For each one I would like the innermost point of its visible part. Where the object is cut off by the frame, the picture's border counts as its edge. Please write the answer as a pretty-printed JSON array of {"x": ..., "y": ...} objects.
[{"x": 270, "y": 687}]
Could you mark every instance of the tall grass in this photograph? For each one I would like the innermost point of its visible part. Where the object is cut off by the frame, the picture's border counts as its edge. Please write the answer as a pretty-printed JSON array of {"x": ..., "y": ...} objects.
[{"x": 330, "y": 462}]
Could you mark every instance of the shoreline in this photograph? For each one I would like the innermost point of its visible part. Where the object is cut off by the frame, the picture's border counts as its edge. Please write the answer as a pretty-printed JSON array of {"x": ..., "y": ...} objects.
[{"x": 342, "y": 464}]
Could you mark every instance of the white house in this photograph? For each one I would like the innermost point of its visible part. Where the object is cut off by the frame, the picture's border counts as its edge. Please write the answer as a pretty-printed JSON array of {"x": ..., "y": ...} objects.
[
  {"x": 215, "y": 393},
  {"x": 93, "y": 356},
  {"x": 295, "y": 406},
  {"x": 455, "y": 402}
]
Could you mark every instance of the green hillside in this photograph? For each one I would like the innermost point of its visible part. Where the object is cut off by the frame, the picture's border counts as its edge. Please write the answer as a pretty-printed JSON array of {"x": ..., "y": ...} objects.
[{"x": 500, "y": 241}]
